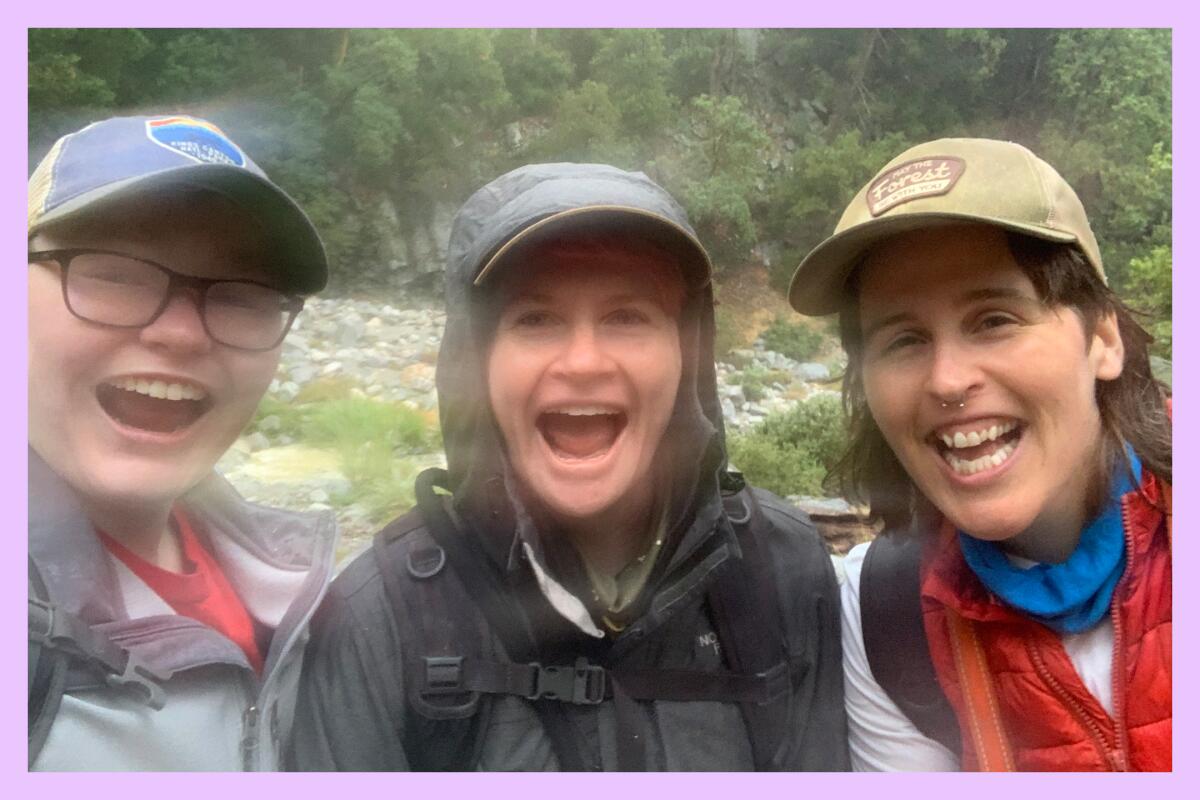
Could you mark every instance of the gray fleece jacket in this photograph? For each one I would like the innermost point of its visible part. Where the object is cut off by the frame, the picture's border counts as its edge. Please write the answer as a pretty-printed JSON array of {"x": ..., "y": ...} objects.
[{"x": 218, "y": 714}]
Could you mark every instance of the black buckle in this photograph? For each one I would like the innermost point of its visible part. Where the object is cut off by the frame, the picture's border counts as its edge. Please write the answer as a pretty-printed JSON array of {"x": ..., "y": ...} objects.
[
  {"x": 582, "y": 683},
  {"x": 443, "y": 674}
]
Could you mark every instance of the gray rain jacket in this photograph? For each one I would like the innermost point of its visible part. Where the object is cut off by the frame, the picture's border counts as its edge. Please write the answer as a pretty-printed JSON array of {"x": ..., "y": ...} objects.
[
  {"x": 218, "y": 714},
  {"x": 356, "y": 708}
]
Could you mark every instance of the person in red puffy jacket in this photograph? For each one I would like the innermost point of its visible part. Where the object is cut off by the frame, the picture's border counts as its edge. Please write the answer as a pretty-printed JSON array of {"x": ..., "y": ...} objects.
[{"x": 1003, "y": 409}]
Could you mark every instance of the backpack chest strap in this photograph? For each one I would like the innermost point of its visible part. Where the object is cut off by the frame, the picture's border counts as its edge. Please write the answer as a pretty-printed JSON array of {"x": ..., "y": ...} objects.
[{"x": 584, "y": 683}]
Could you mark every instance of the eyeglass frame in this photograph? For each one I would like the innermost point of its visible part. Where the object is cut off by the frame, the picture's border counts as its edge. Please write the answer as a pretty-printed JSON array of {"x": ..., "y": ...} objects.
[{"x": 292, "y": 303}]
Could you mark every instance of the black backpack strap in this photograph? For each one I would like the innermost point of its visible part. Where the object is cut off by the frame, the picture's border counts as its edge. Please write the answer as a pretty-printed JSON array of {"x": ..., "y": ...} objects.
[
  {"x": 441, "y": 727},
  {"x": 47, "y": 675},
  {"x": 65, "y": 650},
  {"x": 451, "y": 671},
  {"x": 485, "y": 586},
  {"x": 746, "y": 611},
  {"x": 893, "y": 630}
]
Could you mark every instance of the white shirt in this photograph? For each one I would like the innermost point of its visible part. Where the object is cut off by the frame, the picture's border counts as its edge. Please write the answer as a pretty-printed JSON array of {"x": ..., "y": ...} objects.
[{"x": 882, "y": 738}]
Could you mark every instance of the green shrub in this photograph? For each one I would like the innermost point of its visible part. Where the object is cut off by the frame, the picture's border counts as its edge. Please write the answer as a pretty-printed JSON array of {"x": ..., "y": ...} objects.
[
  {"x": 371, "y": 438},
  {"x": 379, "y": 482},
  {"x": 1149, "y": 291},
  {"x": 781, "y": 469},
  {"x": 291, "y": 417},
  {"x": 793, "y": 339},
  {"x": 753, "y": 383},
  {"x": 356, "y": 422},
  {"x": 792, "y": 452},
  {"x": 326, "y": 388}
]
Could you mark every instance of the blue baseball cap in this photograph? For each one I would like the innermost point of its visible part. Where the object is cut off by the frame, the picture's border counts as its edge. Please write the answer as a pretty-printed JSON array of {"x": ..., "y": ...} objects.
[{"x": 128, "y": 156}]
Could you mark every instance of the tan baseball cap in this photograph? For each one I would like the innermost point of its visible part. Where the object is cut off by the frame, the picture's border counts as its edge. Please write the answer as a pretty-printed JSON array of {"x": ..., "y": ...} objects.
[{"x": 939, "y": 183}]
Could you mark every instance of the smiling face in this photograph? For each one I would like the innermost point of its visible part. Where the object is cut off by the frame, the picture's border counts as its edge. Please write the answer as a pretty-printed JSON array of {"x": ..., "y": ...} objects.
[
  {"x": 582, "y": 377},
  {"x": 133, "y": 418},
  {"x": 948, "y": 317}
]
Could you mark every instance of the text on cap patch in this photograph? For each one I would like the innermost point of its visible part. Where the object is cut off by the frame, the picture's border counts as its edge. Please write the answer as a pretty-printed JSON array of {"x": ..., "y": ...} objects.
[
  {"x": 200, "y": 141},
  {"x": 912, "y": 180}
]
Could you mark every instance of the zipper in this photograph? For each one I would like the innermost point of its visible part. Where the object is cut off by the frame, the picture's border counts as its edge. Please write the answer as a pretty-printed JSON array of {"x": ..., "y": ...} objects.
[
  {"x": 264, "y": 686},
  {"x": 1118, "y": 659},
  {"x": 249, "y": 736},
  {"x": 1111, "y": 752}
]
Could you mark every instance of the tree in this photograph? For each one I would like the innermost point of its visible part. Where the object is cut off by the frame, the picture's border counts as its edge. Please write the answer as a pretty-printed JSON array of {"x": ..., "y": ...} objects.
[
  {"x": 536, "y": 73},
  {"x": 722, "y": 169},
  {"x": 586, "y": 128},
  {"x": 634, "y": 65},
  {"x": 808, "y": 198},
  {"x": 1149, "y": 291},
  {"x": 763, "y": 135}
]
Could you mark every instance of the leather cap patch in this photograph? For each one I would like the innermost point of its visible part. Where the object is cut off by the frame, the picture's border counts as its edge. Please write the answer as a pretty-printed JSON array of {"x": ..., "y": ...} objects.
[{"x": 912, "y": 180}]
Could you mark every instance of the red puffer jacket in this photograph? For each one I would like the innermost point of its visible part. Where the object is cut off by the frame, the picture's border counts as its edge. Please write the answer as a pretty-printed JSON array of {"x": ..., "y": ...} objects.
[{"x": 1050, "y": 720}]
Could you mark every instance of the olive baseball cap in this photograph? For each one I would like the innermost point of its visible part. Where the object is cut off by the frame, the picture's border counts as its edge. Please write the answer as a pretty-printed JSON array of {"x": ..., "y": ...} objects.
[
  {"x": 124, "y": 157},
  {"x": 944, "y": 182}
]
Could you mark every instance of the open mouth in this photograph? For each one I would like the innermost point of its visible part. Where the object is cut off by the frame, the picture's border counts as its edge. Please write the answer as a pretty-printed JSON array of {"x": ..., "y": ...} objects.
[
  {"x": 581, "y": 432},
  {"x": 151, "y": 405},
  {"x": 969, "y": 452}
]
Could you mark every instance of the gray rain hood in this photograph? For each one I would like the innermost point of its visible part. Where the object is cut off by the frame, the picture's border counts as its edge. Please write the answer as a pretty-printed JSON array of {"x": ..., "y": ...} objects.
[{"x": 488, "y": 234}]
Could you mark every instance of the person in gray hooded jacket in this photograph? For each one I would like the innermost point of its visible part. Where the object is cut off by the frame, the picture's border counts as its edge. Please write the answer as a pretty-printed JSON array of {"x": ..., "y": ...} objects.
[
  {"x": 167, "y": 616},
  {"x": 587, "y": 586}
]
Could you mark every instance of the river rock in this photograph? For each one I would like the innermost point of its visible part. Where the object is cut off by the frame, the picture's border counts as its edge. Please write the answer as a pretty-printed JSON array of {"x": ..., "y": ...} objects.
[{"x": 810, "y": 372}]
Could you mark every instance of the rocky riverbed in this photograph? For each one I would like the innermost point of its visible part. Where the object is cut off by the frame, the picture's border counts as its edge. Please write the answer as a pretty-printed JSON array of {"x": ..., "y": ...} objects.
[{"x": 390, "y": 353}]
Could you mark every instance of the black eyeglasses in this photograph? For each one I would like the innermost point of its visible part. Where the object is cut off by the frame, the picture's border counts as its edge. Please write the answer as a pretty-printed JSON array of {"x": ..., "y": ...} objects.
[{"x": 121, "y": 291}]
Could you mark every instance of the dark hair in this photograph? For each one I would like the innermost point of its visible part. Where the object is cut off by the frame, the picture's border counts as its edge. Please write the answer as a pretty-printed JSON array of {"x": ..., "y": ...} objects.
[{"x": 1133, "y": 407}]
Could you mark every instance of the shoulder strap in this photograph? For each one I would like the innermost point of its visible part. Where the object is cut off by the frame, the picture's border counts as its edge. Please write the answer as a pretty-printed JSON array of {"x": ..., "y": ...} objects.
[
  {"x": 746, "y": 612},
  {"x": 47, "y": 675},
  {"x": 436, "y": 614},
  {"x": 60, "y": 645},
  {"x": 464, "y": 671},
  {"x": 979, "y": 696},
  {"x": 440, "y": 732},
  {"x": 894, "y": 636}
]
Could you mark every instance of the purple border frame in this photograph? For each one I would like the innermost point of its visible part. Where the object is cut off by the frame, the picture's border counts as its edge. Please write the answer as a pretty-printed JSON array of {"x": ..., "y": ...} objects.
[{"x": 525, "y": 13}]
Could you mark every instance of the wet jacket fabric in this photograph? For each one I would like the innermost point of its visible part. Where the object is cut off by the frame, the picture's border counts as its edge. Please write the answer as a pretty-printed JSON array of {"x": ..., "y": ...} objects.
[
  {"x": 354, "y": 705},
  {"x": 1050, "y": 719},
  {"x": 218, "y": 714}
]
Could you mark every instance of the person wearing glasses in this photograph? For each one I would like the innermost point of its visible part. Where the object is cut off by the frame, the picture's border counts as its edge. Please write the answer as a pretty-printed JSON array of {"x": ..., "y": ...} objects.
[{"x": 167, "y": 615}]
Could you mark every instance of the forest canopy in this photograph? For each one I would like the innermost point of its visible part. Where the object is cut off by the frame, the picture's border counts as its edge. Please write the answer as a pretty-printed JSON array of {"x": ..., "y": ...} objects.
[{"x": 764, "y": 135}]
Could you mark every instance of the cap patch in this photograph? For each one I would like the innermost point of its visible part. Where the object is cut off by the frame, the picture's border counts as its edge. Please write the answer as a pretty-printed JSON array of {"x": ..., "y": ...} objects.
[
  {"x": 912, "y": 180},
  {"x": 196, "y": 139}
]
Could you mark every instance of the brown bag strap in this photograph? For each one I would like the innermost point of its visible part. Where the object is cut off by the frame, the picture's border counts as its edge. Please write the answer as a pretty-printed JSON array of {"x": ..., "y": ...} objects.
[{"x": 982, "y": 712}]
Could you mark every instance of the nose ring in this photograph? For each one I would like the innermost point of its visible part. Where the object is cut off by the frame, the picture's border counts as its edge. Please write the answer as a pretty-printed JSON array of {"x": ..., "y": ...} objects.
[{"x": 962, "y": 403}]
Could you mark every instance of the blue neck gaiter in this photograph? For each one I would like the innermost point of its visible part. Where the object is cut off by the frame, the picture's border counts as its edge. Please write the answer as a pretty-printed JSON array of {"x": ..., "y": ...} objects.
[{"x": 1073, "y": 596}]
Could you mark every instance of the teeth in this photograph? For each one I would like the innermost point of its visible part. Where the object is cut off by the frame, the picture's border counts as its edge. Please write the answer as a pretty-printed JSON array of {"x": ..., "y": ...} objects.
[
  {"x": 964, "y": 467},
  {"x": 582, "y": 411},
  {"x": 161, "y": 389},
  {"x": 960, "y": 440}
]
